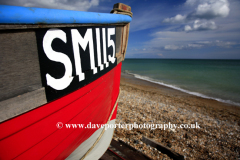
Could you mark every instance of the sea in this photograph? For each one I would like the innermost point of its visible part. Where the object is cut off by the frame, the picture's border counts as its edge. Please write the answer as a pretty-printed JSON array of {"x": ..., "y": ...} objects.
[{"x": 212, "y": 79}]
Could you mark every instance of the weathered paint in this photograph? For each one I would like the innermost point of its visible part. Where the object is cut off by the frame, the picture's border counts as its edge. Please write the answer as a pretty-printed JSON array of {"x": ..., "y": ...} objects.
[{"x": 31, "y": 15}]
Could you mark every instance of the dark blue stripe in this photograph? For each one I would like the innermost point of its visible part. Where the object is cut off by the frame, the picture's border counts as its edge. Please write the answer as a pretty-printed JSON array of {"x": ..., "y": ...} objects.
[{"x": 30, "y": 15}]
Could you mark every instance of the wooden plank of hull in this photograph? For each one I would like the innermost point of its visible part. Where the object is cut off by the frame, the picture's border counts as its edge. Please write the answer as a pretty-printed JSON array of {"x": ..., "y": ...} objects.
[
  {"x": 19, "y": 71},
  {"x": 39, "y": 138},
  {"x": 26, "y": 101}
]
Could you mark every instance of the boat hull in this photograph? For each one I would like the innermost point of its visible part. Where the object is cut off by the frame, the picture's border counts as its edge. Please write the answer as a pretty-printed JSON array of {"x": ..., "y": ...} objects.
[
  {"x": 34, "y": 135},
  {"x": 60, "y": 76}
]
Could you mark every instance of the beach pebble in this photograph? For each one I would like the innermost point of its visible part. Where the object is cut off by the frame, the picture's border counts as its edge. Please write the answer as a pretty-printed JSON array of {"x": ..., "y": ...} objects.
[{"x": 218, "y": 137}]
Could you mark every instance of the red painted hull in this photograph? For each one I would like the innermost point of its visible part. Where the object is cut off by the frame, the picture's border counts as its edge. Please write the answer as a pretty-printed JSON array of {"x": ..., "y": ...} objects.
[{"x": 34, "y": 135}]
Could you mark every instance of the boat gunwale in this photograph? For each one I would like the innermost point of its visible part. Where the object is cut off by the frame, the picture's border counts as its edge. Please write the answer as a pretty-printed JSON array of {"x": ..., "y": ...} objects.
[
  {"x": 32, "y": 15},
  {"x": 38, "y": 26}
]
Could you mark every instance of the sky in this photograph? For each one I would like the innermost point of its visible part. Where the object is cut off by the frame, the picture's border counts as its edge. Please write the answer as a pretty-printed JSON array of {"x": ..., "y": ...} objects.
[{"x": 178, "y": 29}]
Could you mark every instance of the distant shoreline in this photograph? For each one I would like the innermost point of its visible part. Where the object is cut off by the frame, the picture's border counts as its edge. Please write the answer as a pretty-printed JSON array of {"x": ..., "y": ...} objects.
[
  {"x": 129, "y": 79},
  {"x": 182, "y": 90}
]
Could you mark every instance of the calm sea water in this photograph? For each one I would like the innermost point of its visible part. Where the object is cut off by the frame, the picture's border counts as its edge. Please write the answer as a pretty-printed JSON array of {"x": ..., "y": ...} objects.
[{"x": 215, "y": 79}]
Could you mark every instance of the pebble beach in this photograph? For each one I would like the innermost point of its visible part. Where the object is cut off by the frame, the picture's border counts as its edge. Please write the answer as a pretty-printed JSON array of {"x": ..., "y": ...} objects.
[{"x": 144, "y": 102}]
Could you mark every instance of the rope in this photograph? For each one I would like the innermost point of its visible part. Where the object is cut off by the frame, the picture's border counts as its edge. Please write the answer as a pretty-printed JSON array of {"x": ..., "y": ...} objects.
[
  {"x": 121, "y": 11},
  {"x": 100, "y": 136}
]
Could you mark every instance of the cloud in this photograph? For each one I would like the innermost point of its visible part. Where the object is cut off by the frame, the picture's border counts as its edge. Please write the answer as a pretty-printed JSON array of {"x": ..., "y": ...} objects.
[
  {"x": 191, "y": 2},
  {"x": 138, "y": 49},
  {"x": 201, "y": 44},
  {"x": 201, "y": 26},
  {"x": 180, "y": 47},
  {"x": 211, "y": 9},
  {"x": 167, "y": 42},
  {"x": 188, "y": 28},
  {"x": 173, "y": 47},
  {"x": 222, "y": 44},
  {"x": 192, "y": 37},
  {"x": 177, "y": 19},
  {"x": 80, "y": 5},
  {"x": 203, "y": 14},
  {"x": 194, "y": 45}
]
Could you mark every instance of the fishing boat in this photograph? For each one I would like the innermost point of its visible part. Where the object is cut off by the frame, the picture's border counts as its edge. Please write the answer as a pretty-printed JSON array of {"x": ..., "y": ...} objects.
[{"x": 59, "y": 81}]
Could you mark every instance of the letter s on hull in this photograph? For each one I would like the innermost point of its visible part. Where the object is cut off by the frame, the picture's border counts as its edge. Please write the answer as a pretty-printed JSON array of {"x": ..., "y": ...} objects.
[{"x": 64, "y": 82}]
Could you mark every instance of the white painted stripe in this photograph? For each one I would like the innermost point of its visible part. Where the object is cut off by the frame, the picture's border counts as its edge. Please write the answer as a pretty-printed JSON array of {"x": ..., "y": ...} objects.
[{"x": 100, "y": 147}]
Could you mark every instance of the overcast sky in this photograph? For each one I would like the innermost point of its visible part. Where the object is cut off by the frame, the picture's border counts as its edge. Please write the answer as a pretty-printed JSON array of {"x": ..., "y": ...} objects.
[{"x": 169, "y": 28}]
